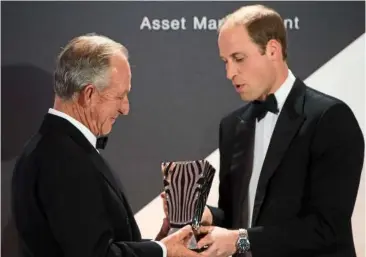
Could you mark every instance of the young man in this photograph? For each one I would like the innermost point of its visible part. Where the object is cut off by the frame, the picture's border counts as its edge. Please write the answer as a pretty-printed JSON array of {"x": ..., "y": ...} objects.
[{"x": 291, "y": 158}]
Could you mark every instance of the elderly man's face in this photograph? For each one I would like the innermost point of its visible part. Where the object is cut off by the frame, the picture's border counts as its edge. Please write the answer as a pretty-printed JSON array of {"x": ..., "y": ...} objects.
[{"x": 113, "y": 100}]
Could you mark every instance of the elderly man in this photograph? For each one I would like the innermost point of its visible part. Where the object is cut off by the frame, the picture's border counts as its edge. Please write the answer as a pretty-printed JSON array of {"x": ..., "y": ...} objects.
[
  {"x": 291, "y": 158},
  {"x": 65, "y": 199}
]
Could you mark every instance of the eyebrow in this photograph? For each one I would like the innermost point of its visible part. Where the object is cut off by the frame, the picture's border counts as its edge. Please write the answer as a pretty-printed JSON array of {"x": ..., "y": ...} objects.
[
  {"x": 234, "y": 55},
  {"x": 237, "y": 53}
]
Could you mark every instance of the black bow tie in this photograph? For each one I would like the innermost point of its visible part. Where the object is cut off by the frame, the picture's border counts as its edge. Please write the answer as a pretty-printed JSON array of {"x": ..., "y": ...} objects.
[
  {"x": 262, "y": 107},
  {"x": 102, "y": 142}
]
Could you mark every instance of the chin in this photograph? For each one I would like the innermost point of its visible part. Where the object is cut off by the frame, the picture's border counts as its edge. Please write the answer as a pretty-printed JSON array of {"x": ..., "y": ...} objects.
[
  {"x": 108, "y": 130},
  {"x": 246, "y": 97},
  {"x": 250, "y": 97}
]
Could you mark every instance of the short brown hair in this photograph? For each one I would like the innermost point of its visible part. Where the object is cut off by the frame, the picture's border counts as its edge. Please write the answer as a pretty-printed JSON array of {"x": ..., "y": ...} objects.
[{"x": 262, "y": 24}]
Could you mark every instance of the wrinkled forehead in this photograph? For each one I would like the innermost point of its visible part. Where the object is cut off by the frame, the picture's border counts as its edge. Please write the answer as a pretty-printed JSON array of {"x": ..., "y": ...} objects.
[
  {"x": 120, "y": 67},
  {"x": 120, "y": 73},
  {"x": 120, "y": 62}
]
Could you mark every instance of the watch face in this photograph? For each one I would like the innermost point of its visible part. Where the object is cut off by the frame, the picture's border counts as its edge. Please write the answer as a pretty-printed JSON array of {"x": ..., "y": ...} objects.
[{"x": 243, "y": 245}]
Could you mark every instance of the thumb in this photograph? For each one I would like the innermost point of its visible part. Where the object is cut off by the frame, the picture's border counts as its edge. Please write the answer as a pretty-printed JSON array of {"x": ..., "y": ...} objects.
[{"x": 185, "y": 232}]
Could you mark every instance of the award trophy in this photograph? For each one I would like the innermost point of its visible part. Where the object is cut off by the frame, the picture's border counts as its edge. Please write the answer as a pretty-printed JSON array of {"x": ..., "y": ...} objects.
[{"x": 187, "y": 185}]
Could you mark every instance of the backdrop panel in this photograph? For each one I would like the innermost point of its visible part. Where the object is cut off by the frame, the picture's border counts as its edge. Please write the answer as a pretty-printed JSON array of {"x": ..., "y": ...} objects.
[{"x": 179, "y": 90}]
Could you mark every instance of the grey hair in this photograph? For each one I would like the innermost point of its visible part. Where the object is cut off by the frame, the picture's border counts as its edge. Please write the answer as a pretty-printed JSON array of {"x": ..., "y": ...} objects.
[{"x": 85, "y": 60}]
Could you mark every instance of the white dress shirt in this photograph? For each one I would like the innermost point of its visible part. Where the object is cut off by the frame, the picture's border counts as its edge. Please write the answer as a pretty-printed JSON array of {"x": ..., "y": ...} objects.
[
  {"x": 93, "y": 140},
  {"x": 86, "y": 132},
  {"x": 263, "y": 134}
]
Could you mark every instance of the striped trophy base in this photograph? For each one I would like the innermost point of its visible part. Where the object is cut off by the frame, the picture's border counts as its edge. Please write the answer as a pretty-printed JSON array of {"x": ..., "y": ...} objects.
[{"x": 187, "y": 185}]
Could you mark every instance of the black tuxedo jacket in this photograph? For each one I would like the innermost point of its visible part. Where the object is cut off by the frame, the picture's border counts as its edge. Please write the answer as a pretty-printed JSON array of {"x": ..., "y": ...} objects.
[
  {"x": 66, "y": 201},
  {"x": 308, "y": 183}
]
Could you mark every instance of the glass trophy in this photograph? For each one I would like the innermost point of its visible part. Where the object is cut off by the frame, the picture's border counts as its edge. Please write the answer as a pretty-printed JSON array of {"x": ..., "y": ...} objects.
[{"x": 187, "y": 185}]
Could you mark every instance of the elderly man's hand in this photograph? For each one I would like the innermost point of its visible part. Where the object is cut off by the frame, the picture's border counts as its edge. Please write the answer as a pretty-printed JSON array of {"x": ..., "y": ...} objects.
[
  {"x": 164, "y": 230},
  {"x": 165, "y": 204},
  {"x": 177, "y": 242}
]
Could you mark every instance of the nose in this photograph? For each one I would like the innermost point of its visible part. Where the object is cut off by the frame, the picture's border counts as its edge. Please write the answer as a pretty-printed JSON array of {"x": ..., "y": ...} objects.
[
  {"x": 231, "y": 70},
  {"x": 125, "y": 106}
]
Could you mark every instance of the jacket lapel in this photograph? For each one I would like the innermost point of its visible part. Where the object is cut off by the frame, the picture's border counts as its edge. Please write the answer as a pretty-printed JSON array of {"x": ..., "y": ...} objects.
[
  {"x": 242, "y": 162},
  {"x": 55, "y": 124},
  {"x": 117, "y": 187},
  {"x": 289, "y": 122},
  {"x": 105, "y": 170}
]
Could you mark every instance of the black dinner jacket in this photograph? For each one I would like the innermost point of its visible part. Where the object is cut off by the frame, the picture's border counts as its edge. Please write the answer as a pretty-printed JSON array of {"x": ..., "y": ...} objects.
[
  {"x": 66, "y": 201},
  {"x": 309, "y": 179}
]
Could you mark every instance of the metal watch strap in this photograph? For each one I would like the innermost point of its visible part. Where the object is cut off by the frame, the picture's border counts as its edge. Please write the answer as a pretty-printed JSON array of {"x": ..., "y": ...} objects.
[
  {"x": 243, "y": 244},
  {"x": 243, "y": 233}
]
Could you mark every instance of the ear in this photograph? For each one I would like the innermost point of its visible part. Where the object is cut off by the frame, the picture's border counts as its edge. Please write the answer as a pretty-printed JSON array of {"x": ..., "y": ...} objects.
[
  {"x": 274, "y": 50},
  {"x": 86, "y": 95}
]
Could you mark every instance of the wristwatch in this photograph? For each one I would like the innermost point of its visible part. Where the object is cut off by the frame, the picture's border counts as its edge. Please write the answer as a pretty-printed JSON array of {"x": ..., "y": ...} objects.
[{"x": 243, "y": 244}]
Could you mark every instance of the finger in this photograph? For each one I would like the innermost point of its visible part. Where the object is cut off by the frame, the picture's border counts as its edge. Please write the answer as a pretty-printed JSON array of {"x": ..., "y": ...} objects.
[
  {"x": 207, "y": 240},
  {"x": 187, "y": 240},
  {"x": 163, "y": 167},
  {"x": 209, "y": 252},
  {"x": 205, "y": 229},
  {"x": 165, "y": 209},
  {"x": 162, "y": 195},
  {"x": 173, "y": 164},
  {"x": 167, "y": 166},
  {"x": 166, "y": 224},
  {"x": 189, "y": 253},
  {"x": 170, "y": 166},
  {"x": 165, "y": 202},
  {"x": 186, "y": 252}
]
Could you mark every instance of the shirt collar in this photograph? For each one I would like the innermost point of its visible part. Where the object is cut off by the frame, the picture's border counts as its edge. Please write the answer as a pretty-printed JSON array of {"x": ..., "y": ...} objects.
[
  {"x": 284, "y": 90},
  {"x": 83, "y": 129}
]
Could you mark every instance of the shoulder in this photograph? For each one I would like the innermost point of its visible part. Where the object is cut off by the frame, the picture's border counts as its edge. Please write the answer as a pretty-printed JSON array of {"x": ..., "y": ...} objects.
[
  {"x": 315, "y": 104},
  {"x": 330, "y": 114},
  {"x": 231, "y": 118},
  {"x": 51, "y": 162},
  {"x": 320, "y": 102},
  {"x": 61, "y": 156}
]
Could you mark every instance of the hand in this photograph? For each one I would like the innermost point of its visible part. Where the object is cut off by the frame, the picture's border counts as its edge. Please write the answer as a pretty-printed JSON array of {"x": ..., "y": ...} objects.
[
  {"x": 221, "y": 242},
  {"x": 165, "y": 204},
  {"x": 164, "y": 230},
  {"x": 207, "y": 217},
  {"x": 177, "y": 242},
  {"x": 163, "y": 195}
]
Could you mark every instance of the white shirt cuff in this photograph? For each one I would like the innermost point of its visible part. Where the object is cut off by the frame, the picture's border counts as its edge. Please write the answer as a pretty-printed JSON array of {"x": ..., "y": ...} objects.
[{"x": 162, "y": 247}]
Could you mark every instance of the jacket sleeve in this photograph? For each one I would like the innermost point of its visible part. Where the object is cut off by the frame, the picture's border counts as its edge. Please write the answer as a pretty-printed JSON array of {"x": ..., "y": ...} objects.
[{"x": 70, "y": 195}]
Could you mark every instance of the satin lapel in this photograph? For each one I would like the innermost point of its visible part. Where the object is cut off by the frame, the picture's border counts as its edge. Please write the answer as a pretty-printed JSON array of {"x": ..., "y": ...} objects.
[
  {"x": 289, "y": 122},
  {"x": 117, "y": 187},
  {"x": 55, "y": 124},
  {"x": 107, "y": 174},
  {"x": 242, "y": 160}
]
